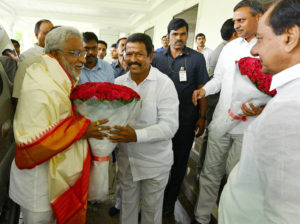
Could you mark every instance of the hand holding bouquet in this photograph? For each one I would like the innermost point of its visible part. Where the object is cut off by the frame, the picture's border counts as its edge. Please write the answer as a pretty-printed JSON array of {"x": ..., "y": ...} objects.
[
  {"x": 250, "y": 84},
  {"x": 100, "y": 101}
]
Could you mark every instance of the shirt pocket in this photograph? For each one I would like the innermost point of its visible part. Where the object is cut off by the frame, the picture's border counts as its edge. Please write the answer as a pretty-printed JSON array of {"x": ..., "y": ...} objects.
[{"x": 148, "y": 115}]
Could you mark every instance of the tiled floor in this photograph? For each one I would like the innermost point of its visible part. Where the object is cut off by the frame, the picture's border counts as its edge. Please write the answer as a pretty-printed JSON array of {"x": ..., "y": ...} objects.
[{"x": 98, "y": 213}]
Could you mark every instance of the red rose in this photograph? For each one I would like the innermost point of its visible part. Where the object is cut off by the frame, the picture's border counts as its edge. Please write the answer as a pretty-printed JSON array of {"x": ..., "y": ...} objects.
[
  {"x": 103, "y": 91},
  {"x": 252, "y": 68}
]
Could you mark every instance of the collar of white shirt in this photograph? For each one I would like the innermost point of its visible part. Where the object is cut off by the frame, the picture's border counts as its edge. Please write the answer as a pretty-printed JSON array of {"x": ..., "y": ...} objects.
[
  {"x": 38, "y": 47},
  {"x": 150, "y": 76},
  {"x": 285, "y": 76}
]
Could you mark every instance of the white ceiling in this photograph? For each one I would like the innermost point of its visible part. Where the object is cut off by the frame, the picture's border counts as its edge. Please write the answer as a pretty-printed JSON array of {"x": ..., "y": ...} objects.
[{"x": 120, "y": 15}]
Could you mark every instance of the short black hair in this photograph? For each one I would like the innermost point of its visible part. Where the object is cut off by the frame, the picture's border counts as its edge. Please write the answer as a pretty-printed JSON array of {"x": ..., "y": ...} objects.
[
  {"x": 89, "y": 36},
  {"x": 118, "y": 41},
  {"x": 102, "y": 42},
  {"x": 200, "y": 35},
  {"x": 177, "y": 23},
  {"x": 39, "y": 23},
  {"x": 114, "y": 45},
  {"x": 227, "y": 29},
  {"x": 143, "y": 38},
  {"x": 255, "y": 6},
  {"x": 285, "y": 14},
  {"x": 15, "y": 42},
  {"x": 164, "y": 36}
]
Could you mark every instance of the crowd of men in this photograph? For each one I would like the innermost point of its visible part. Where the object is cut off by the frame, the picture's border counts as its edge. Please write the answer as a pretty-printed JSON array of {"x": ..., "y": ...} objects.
[{"x": 182, "y": 91}]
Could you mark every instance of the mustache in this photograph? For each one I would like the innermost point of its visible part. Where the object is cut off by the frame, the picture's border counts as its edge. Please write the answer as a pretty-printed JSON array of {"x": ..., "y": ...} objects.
[
  {"x": 179, "y": 41},
  {"x": 134, "y": 63},
  {"x": 91, "y": 56}
]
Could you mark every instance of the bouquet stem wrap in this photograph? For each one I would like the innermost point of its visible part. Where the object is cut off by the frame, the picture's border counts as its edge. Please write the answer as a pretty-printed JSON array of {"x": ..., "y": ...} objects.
[
  {"x": 118, "y": 112},
  {"x": 249, "y": 84}
]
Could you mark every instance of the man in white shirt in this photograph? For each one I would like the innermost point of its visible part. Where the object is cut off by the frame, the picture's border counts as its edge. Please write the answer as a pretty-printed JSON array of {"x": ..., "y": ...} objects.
[
  {"x": 200, "y": 40},
  {"x": 145, "y": 154},
  {"x": 31, "y": 55},
  {"x": 224, "y": 152},
  {"x": 41, "y": 28},
  {"x": 264, "y": 186}
]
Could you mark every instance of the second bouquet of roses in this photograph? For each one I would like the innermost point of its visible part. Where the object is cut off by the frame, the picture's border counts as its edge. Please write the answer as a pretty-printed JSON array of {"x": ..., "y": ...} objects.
[
  {"x": 249, "y": 84},
  {"x": 98, "y": 101}
]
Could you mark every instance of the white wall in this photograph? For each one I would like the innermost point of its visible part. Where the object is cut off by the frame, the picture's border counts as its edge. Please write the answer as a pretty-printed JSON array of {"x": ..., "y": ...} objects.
[
  {"x": 211, "y": 15},
  {"x": 161, "y": 20}
]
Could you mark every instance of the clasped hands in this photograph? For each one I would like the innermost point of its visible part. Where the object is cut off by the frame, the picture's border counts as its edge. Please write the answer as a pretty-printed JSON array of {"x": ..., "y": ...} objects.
[{"x": 98, "y": 130}]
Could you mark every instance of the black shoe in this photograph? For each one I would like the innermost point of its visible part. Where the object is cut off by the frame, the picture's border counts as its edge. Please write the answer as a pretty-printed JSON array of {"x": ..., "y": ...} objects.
[
  {"x": 113, "y": 211},
  {"x": 169, "y": 220},
  {"x": 213, "y": 220},
  {"x": 168, "y": 211}
]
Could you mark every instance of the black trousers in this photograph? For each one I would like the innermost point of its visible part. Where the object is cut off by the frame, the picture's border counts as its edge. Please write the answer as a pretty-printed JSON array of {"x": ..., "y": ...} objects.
[{"x": 182, "y": 144}]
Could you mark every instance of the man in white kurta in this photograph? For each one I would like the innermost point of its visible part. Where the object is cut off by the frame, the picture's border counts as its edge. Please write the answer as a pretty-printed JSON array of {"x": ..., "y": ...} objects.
[
  {"x": 264, "y": 186},
  {"x": 224, "y": 152},
  {"x": 144, "y": 162},
  {"x": 50, "y": 172},
  {"x": 31, "y": 55}
]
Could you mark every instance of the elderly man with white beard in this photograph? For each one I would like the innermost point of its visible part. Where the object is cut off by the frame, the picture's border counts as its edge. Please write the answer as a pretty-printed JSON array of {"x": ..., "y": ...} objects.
[{"x": 50, "y": 172}]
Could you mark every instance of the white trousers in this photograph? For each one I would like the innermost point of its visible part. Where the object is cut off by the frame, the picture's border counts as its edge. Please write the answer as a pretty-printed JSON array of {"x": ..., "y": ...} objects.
[
  {"x": 37, "y": 217},
  {"x": 221, "y": 156},
  {"x": 150, "y": 192}
]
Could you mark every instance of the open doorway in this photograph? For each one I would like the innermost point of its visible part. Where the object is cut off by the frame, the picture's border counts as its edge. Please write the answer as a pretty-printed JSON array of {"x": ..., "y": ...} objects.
[
  {"x": 150, "y": 32},
  {"x": 190, "y": 16}
]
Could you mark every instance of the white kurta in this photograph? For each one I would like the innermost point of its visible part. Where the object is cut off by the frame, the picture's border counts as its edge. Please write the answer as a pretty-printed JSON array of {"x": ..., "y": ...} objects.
[
  {"x": 264, "y": 186},
  {"x": 44, "y": 101},
  {"x": 155, "y": 126},
  {"x": 223, "y": 78},
  {"x": 31, "y": 52}
]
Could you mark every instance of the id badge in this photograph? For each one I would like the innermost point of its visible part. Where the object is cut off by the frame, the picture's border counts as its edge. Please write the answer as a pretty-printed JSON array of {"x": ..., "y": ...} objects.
[{"x": 182, "y": 76}]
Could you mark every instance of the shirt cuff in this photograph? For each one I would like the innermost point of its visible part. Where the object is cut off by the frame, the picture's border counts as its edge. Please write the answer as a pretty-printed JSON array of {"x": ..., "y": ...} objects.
[
  {"x": 209, "y": 88},
  {"x": 206, "y": 91},
  {"x": 141, "y": 135}
]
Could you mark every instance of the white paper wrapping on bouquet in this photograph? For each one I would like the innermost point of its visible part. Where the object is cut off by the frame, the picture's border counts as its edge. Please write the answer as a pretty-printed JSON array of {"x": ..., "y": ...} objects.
[
  {"x": 243, "y": 91},
  {"x": 118, "y": 114}
]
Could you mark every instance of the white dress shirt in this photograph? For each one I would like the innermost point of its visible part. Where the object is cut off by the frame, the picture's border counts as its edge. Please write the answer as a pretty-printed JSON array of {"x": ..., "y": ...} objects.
[
  {"x": 155, "y": 126},
  {"x": 223, "y": 78},
  {"x": 31, "y": 52},
  {"x": 264, "y": 187},
  {"x": 207, "y": 54}
]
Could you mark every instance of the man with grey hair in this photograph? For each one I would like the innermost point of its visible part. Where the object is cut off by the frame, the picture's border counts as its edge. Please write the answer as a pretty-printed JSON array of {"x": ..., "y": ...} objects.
[
  {"x": 224, "y": 152},
  {"x": 49, "y": 175}
]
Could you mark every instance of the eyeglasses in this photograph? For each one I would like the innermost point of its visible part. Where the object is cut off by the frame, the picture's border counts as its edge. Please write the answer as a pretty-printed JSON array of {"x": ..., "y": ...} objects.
[{"x": 75, "y": 53}]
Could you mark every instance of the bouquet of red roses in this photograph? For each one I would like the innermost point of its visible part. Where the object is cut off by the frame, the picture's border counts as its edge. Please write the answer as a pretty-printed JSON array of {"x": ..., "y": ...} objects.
[
  {"x": 250, "y": 84},
  {"x": 98, "y": 101}
]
